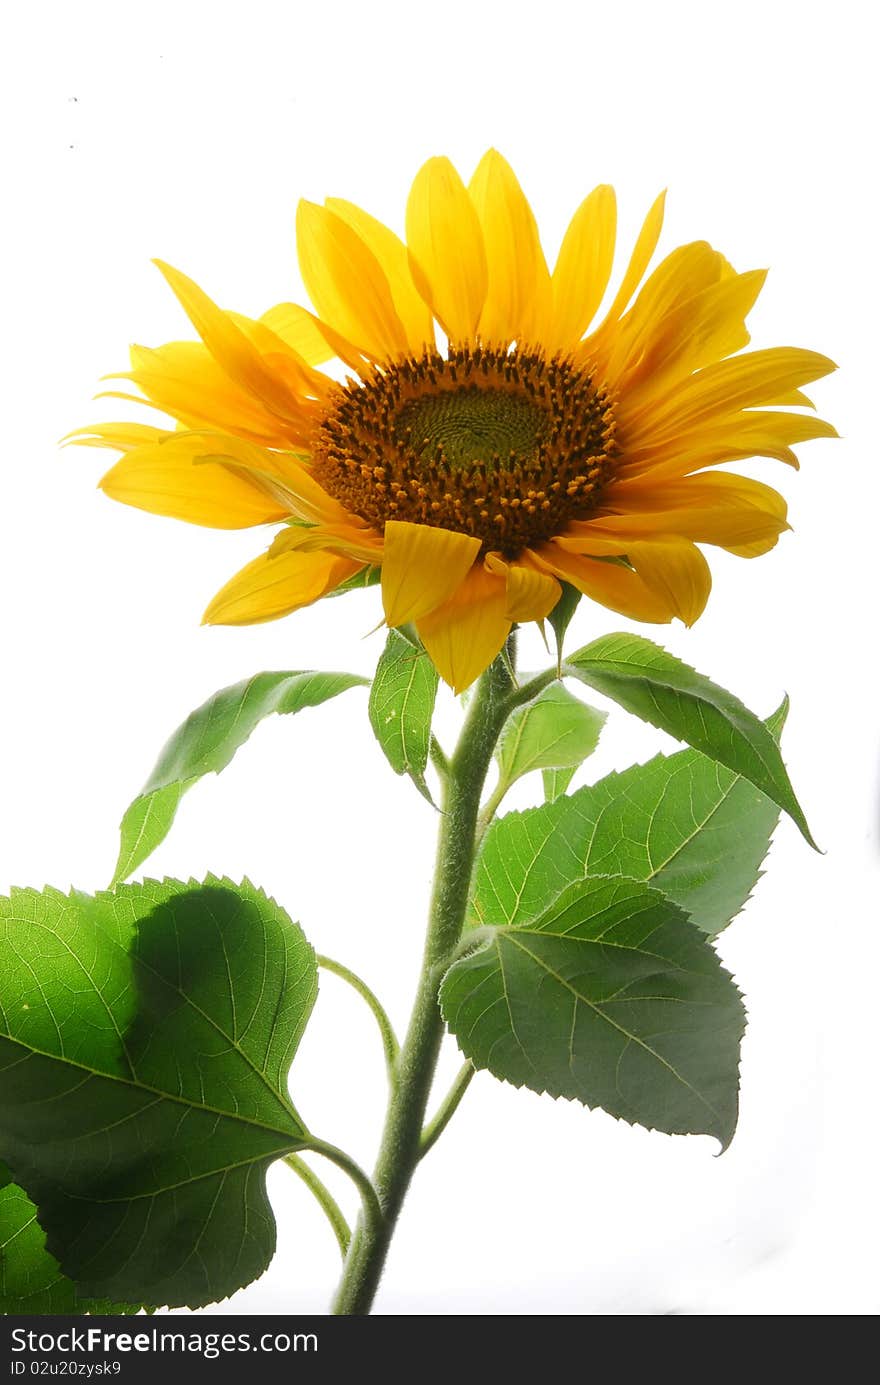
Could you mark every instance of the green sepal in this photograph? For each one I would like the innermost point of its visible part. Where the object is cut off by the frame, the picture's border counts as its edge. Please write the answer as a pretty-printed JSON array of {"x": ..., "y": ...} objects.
[
  {"x": 205, "y": 744},
  {"x": 562, "y": 614},
  {"x": 367, "y": 577}
]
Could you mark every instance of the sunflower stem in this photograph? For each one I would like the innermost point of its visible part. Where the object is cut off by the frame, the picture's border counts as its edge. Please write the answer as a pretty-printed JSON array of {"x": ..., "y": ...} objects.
[
  {"x": 401, "y": 1146},
  {"x": 526, "y": 691}
]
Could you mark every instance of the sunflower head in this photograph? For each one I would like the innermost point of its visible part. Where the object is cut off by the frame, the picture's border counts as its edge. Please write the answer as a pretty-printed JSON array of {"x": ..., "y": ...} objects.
[
  {"x": 495, "y": 442},
  {"x": 491, "y": 439}
]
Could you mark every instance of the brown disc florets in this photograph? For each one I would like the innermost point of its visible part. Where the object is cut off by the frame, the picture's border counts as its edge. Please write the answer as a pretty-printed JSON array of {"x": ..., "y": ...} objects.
[{"x": 504, "y": 445}]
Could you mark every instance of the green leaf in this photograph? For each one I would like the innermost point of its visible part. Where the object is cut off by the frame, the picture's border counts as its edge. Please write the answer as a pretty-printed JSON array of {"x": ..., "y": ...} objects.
[
  {"x": 205, "y": 744},
  {"x": 30, "y": 1279},
  {"x": 662, "y": 690},
  {"x": 553, "y": 731},
  {"x": 612, "y": 998},
  {"x": 561, "y": 616},
  {"x": 401, "y": 707},
  {"x": 681, "y": 822},
  {"x": 556, "y": 781},
  {"x": 145, "y": 1038}
]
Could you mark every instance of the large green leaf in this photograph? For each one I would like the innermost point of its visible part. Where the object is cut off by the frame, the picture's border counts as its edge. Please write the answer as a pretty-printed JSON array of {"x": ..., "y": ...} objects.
[
  {"x": 206, "y": 742},
  {"x": 145, "y": 1038},
  {"x": 553, "y": 731},
  {"x": 659, "y": 688},
  {"x": 401, "y": 707},
  {"x": 30, "y": 1279},
  {"x": 611, "y": 997},
  {"x": 681, "y": 822}
]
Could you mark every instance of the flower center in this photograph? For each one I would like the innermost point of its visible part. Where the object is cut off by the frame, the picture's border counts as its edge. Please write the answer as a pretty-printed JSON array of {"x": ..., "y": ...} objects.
[
  {"x": 504, "y": 445},
  {"x": 472, "y": 425}
]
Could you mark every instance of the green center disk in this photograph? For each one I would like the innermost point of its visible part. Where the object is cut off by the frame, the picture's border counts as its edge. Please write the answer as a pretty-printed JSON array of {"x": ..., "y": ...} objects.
[{"x": 472, "y": 425}]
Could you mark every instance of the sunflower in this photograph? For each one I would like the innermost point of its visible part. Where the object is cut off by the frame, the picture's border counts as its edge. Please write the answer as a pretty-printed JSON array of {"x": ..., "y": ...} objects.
[{"x": 489, "y": 442}]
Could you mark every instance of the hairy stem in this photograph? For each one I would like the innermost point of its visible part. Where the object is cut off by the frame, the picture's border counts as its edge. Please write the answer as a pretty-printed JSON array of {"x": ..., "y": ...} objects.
[
  {"x": 341, "y": 1229},
  {"x": 400, "y": 1148},
  {"x": 371, "y": 1215},
  {"x": 446, "y": 1110},
  {"x": 389, "y": 1038},
  {"x": 490, "y": 808}
]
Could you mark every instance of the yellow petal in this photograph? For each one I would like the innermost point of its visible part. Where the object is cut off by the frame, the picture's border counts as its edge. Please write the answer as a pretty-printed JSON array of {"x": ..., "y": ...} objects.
[
  {"x": 684, "y": 272},
  {"x": 390, "y": 253},
  {"x": 518, "y": 294},
  {"x": 229, "y": 346},
  {"x": 447, "y": 255},
  {"x": 346, "y": 284},
  {"x": 465, "y": 634},
  {"x": 183, "y": 379},
  {"x": 719, "y": 508},
  {"x": 296, "y": 327},
  {"x": 611, "y": 584},
  {"x": 792, "y": 399},
  {"x": 531, "y": 593},
  {"x": 583, "y": 267},
  {"x": 287, "y": 481},
  {"x": 307, "y": 384},
  {"x": 677, "y": 573},
  {"x": 756, "y": 548},
  {"x": 270, "y": 587},
  {"x": 348, "y": 540},
  {"x": 676, "y": 289},
  {"x": 741, "y": 382},
  {"x": 643, "y": 250},
  {"x": 421, "y": 567},
  {"x": 169, "y": 478},
  {"x": 123, "y": 437},
  {"x": 357, "y": 358},
  {"x": 701, "y": 330},
  {"x": 756, "y": 433}
]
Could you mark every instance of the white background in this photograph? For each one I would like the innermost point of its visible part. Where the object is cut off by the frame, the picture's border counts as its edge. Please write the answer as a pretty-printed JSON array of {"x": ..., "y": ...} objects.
[{"x": 188, "y": 131}]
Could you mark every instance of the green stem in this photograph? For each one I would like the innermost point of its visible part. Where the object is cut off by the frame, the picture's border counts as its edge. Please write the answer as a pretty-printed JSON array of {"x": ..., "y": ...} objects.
[
  {"x": 446, "y": 1110},
  {"x": 389, "y": 1038},
  {"x": 341, "y": 1229},
  {"x": 490, "y": 808},
  {"x": 438, "y": 758},
  {"x": 507, "y": 658},
  {"x": 372, "y": 1211},
  {"x": 535, "y": 685},
  {"x": 400, "y": 1149}
]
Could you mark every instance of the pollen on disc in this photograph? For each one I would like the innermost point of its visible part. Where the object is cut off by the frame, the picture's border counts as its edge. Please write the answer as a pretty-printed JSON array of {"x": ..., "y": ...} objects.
[{"x": 504, "y": 445}]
